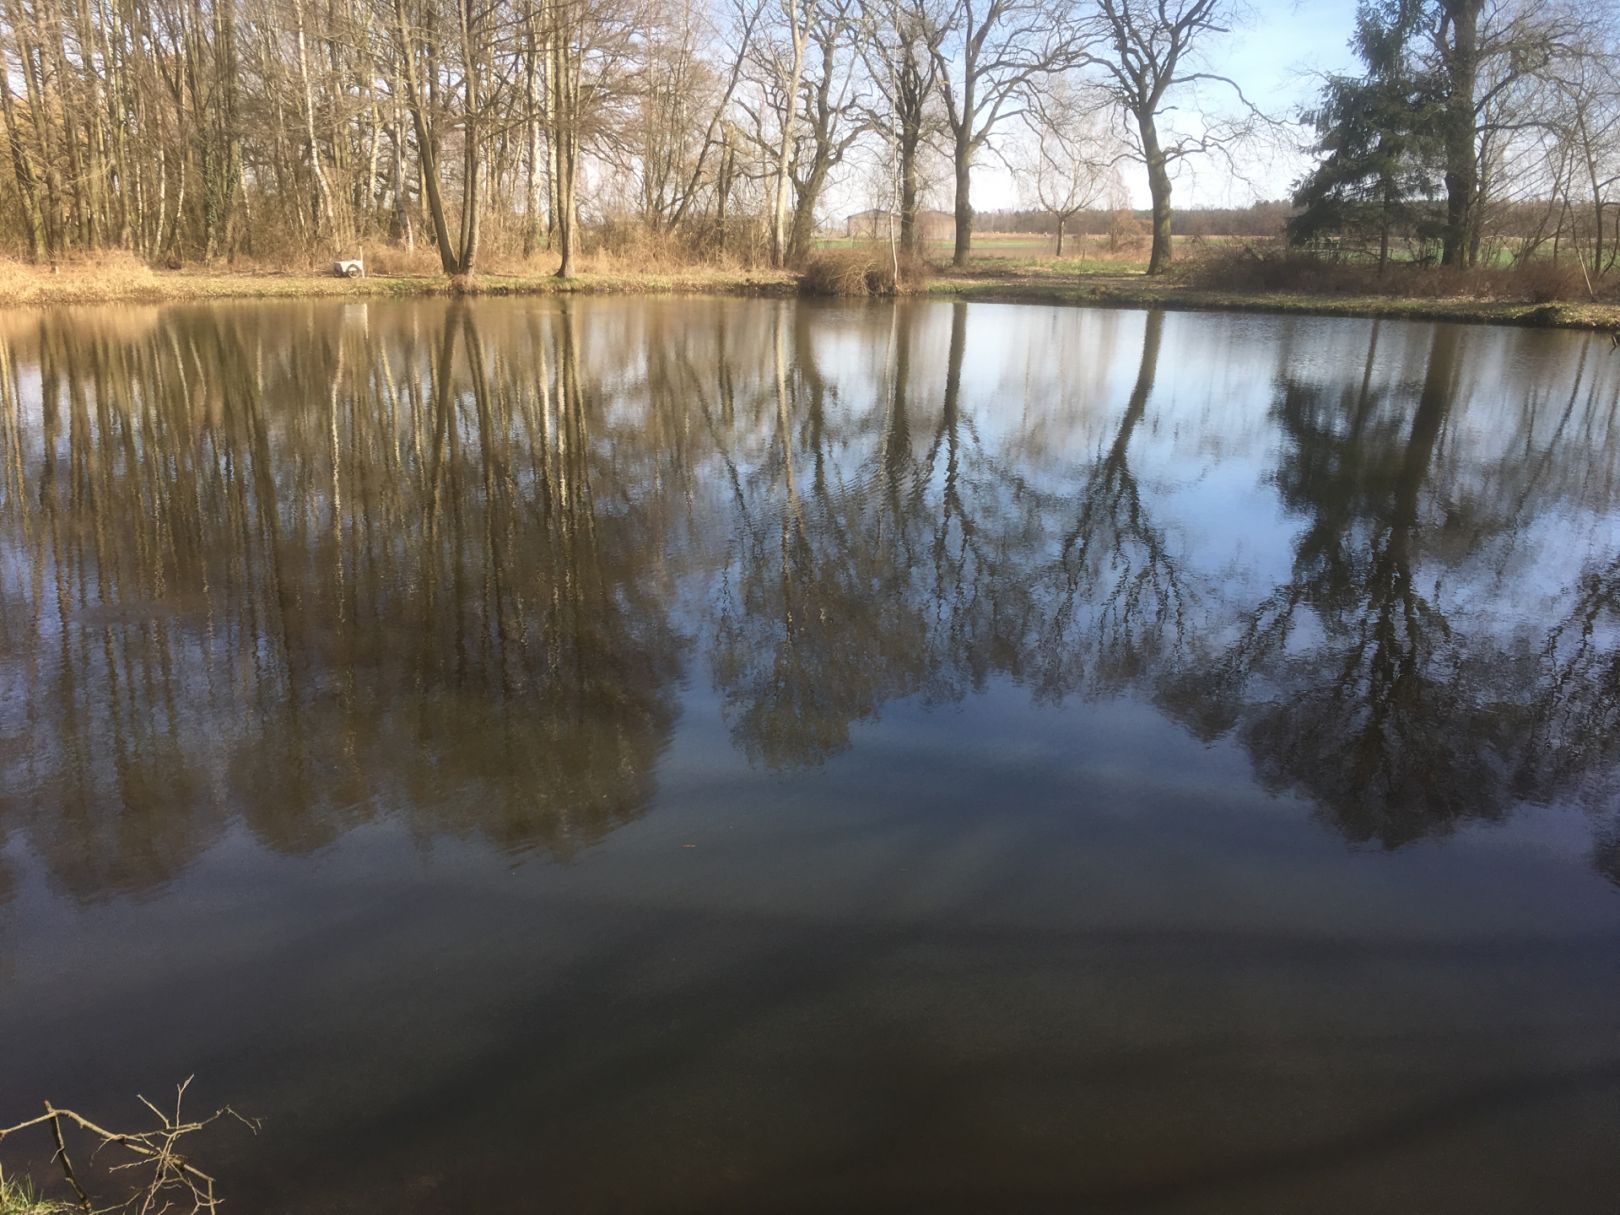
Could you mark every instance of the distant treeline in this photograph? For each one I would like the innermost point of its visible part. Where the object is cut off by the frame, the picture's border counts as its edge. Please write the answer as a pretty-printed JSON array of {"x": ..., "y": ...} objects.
[{"x": 1262, "y": 219}]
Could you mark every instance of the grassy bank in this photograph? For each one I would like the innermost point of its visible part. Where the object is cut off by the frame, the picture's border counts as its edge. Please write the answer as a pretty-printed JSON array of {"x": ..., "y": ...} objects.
[
  {"x": 127, "y": 282},
  {"x": 1111, "y": 285},
  {"x": 1033, "y": 280}
]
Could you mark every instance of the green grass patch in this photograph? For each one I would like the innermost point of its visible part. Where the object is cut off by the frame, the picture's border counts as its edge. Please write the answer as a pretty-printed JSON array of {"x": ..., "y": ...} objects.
[{"x": 19, "y": 1197}]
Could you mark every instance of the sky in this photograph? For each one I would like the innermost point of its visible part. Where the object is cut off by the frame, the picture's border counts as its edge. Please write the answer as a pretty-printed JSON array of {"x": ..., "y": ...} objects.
[{"x": 1277, "y": 53}]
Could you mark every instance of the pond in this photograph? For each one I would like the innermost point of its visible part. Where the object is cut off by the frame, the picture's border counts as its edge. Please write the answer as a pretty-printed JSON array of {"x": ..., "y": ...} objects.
[{"x": 745, "y": 755}]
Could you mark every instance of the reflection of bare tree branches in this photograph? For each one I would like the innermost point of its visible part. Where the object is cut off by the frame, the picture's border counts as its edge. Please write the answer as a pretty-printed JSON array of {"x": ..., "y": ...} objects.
[
  {"x": 978, "y": 593},
  {"x": 1575, "y": 736},
  {"x": 854, "y": 582},
  {"x": 1120, "y": 597},
  {"x": 310, "y": 575},
  {"x": 302, "y": 575},
  {"x": 813, "y": 633}
]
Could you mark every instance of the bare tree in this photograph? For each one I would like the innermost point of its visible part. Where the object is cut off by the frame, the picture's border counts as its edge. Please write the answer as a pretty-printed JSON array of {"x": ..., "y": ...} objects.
[
  {"x": 894, "y": 43},
  {"x": 1065, "y": 165},
  {"x": 782, "y": 53},
  {"x": 1486, "y": 58},
  {"x": 833, "y": 113},
  {"x": 1581, "y": 145},
  {"x": 986, "y": 55},
  {"x": 417, "y": 28},
  {"x": 1146, "y": 50},
  {"x": 678, "y": 156}
]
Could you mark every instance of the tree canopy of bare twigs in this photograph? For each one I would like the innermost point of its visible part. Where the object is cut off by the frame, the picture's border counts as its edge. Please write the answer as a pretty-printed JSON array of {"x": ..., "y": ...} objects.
[
  {"x": 1151, "y": 57},
  {"x": 283, "y": 130},
  {"x": 1067, "y": 163}
]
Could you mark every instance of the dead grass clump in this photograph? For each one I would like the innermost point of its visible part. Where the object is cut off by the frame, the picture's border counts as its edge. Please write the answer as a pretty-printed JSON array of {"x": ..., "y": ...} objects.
[
  {"x": 1542, "y": 282},
  {"x": 616, "y": 247},
  {"x": 864, "y": 270},
  {"x": 393, "y": 260},
  {"x": 113, "y": 275},
  {"x": 19, "y": 1197}
]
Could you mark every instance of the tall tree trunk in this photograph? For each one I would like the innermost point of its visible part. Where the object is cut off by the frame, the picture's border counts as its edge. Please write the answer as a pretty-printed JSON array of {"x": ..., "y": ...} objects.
[
  {"x": 1385, "y": 218},
  {"x": 784, "y": 151},
  {"x": 803, "y": 233},
  {"x": 565, "y": 84},
  {"x": 1158, "y": 171},
  {"x": 323, "y": 189},
  {"x": 1460, "y": 244},
  {"x": 534, "y": 149},
  {"x": 39, "y": 107},
  {"x": 472, "y": 140},
  {"x": 221, "y": 140},
  {"x": 403, "y": 230},
  {"x": 27, "y": 184},
  {"x": 427, "y": 156},
  {"x": 908, "y": 194},
  {"x": 964, "y": 204}
]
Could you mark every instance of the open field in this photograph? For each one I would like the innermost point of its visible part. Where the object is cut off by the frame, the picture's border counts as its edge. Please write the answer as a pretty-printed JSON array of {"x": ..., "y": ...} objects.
[
  {"x": 1081, "y": 251},
  {"x": 1021, "y": 247}
]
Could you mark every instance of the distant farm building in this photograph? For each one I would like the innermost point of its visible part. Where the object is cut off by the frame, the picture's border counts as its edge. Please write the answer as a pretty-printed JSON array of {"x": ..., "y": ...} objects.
[{"x": 877, "y": 224}]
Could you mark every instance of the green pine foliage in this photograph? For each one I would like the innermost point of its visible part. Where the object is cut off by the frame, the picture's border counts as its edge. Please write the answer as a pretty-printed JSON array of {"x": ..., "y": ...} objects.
[{"x": 1374, "y": 190}]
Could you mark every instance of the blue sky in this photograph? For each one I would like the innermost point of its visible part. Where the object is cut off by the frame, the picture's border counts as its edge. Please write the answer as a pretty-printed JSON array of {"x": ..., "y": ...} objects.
[{"x": 1276, "y": 53}]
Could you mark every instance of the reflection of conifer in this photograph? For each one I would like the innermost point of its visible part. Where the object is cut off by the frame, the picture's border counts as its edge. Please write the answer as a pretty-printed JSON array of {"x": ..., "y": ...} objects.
[
  {"x": 1376, "y": 711},
  {"x": 1577, "y": 716}
]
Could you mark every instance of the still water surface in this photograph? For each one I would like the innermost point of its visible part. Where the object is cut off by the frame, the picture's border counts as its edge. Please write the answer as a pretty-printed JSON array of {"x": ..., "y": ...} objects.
[{"x": 691, "y": 756}]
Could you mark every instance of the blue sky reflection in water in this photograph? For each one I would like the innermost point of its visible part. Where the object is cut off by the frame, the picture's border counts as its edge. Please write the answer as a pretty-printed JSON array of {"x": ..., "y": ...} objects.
[{"x": 754, "y": 756}]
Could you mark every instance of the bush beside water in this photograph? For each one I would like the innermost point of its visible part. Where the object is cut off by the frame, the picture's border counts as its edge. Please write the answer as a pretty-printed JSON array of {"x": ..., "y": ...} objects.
[{"x": 863, "y": 270}]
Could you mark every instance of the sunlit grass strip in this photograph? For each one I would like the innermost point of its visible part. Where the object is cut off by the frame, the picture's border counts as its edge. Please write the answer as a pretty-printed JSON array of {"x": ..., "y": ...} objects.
[
  {"x": 1125, "y": 292},
  {"x": 129, "y": 282}
]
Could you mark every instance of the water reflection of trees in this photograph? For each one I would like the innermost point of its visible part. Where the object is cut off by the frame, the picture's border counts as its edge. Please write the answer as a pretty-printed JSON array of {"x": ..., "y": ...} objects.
[
  {"x": 301, "y": 580},
  {"x": 1571, "y": 746},
  {"x": 1352, "y": 681},
  {"x": 898, "y": 555},
  {"x": 444, "y": 561},
  {"x": 1118, "y": 609},
  {"x": 814, "y": 629},
  {"x": 1578, "y": 722},
  {"x": 1375, "y": 707},
  {"x": 1574, "y": 739}
]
